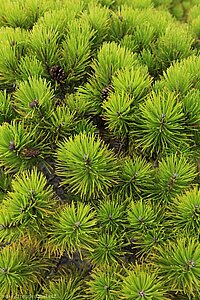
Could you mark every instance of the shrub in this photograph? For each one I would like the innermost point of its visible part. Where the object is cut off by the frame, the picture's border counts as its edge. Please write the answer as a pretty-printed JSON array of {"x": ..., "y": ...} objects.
[
  {"x": 20, "y": 271},
  {"x": 184, "y": 212},
  {"x": 65, "y": 288},
  {"x": 106, "y": 250},
  {"x": 179, "y": 266},
  {"x": 20, "y": 147},
  {"x": 111, "y": 214},
  {"x": 99, "y": 149},
  {"x": 141, "y": 283},
  {"x": 71, "y": 229},
  {"x": 29, "y": 205},
  {"x": 104, "y": 284},
  {"x": 135, "y": 177},
  {"x": 173, "y": 175},
  {"x": 159, "y": 124},
  {"x": 86, "y": 158}
]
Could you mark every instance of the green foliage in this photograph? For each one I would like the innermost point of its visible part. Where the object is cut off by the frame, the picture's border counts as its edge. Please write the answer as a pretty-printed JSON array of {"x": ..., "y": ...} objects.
[
  {"x": 34, "y": 99},
  {"x": 184, "y": 212},
  {"x": 20, "y": 147},
  {"x": 20, "y": 13},
  {"x": 44, "y": 45},
  {"x": 146, "y": 243},
  {"x": 144, "y": 26},
  {"x": 61, "y": 123},
  {"x": 20, "y": 271},
  {"x": 193, "y": 20},
  {"x": 135, "y": 4},
  {"x": 141, "y": 216},
  {"x": 65, "y": 288},
  {"x": 174, "y": 174},
  {"x": 107, "y": 250},
  {"x": 5, "y": 181},
  {"x": 110, "y": 58},
  {"x": 161, "y": 120},
  {"x": 86, "y": 126},
  {"x": 104, "y": 284},
  {"x": 107, "y": 2},
  {"x": 130, "y": 86},
  {"x": 135, "y": 82},
  {"x": 27, "y": 207},
  {"x": 175, "y": 44},
  {"x": 135, "y": 177},
  {"x": 77, "y": 104},
  {"x": 118, "y": 113},
  {"x": 30, "y": 67},
  {"x": 8, "y": 230},
  {"x": 181, "y": 76},
  {"x": 86, "y": 165},
  {"x": 12, "y": 48},
  {"x": 99, "y": 149},
  {"x": 179, "y": 266},
  {"x": 59, "y": 16},
  {"x": 146, "y": 227},
  {"x": 76, "y": 52},
  {"x": 162, "y": 2},
  {"x": 111, "y": 215},
  {"x": 6, "y": 111},
  {"x": 144, "y": 35},
  {"x": 141, "y": 283},
  {"x": 193, "y": 12},
  {"x": 71, "y": 229},
  {"x": 191, "y": 108},
  {"x": 99, "y": 19}
]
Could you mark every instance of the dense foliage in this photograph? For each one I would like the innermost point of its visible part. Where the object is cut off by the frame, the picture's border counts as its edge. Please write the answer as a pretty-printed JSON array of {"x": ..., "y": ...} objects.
[{"x": 99, "y": 149}]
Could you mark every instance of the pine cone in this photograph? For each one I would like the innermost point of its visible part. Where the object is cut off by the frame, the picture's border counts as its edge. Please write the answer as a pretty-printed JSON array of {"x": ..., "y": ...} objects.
[{"x": 57, "y": 73}]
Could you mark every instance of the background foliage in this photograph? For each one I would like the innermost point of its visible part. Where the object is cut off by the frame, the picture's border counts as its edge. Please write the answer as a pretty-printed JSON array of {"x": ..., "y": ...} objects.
[{"x": 99, "y": 149}]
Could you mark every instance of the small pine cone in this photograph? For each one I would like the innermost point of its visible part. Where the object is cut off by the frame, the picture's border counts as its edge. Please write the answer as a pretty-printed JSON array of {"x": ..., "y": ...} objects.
[
  {"x": 30, "y": 152},
  {"x": 11, "y": 146},
  {"x": 106, "y": 91},
  {"x": 34, "y": 103},
  {"x": 57, "y": 73}
]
